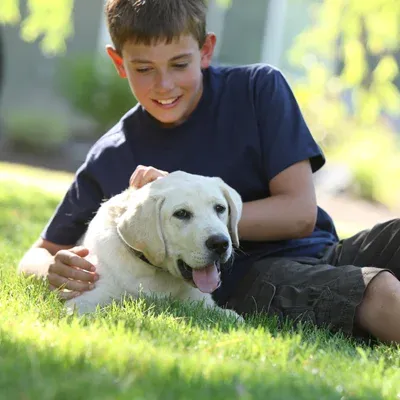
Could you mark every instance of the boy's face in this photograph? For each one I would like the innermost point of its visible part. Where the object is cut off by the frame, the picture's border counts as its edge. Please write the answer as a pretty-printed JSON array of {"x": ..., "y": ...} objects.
[{"x": 166, "y": 79}]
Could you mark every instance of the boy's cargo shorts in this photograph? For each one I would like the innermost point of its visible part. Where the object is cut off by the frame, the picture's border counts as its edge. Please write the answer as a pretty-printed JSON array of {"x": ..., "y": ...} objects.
[{"x": 324, "y": 291}]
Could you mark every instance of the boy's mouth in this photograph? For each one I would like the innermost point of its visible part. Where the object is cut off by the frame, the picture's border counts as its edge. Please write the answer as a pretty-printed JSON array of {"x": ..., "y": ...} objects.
[{"x": 167, "y": 103}]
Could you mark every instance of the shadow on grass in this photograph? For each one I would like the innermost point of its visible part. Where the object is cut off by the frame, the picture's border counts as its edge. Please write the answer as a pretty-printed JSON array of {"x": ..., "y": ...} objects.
[
  {"x": 138, "y": 312},
  {"x": 30, "y": 372},
  {"x": 195, "y": 314}
]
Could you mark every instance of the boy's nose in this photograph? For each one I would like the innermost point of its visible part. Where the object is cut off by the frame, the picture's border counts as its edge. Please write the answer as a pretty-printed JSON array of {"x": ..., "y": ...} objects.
[{"x": 164, "y": 83}]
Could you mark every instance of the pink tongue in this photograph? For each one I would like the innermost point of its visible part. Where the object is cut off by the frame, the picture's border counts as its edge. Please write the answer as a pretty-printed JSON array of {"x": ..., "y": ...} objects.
[{"x": 207, "y": 278}]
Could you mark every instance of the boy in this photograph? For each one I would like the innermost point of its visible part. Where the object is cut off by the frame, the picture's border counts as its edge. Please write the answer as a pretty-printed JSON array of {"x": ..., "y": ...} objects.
[{"x": 242, "y": 124}]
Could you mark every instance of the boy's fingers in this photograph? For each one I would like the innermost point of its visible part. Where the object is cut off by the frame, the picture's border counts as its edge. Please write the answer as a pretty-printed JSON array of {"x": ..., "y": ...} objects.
[
  {"x": 63, "y": 295},
  {"x": 80, "y": 251},
  {"x": 68, "y": 295},
  {"x": 147, "y": 178},
  {"x": 73, "y": 273},
  {"x": 134, "y": 177},
  {"x": 152, "y": 175},
  {"x": 65, "y": 257},
  {"x": 144, "y": 175},
  {"x": 61, "y": 282}
]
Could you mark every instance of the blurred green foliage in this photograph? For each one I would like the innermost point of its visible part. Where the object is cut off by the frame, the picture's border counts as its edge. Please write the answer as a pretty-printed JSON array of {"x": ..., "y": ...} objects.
[
  {"x": 93, "y": 89},
  {"x": 372, "y": 154},
  {"x": 36, "y": 131},
  {"x": 349, "y": 58},
  {"x": 50, "y": 20},
  {"x": 353, "y": 45}
]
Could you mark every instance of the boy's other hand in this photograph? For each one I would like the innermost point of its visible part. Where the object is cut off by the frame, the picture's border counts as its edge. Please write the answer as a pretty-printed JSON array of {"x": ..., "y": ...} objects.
[
  {"x": 71, "y": 271},
  {"x": 143, "y": 175}
]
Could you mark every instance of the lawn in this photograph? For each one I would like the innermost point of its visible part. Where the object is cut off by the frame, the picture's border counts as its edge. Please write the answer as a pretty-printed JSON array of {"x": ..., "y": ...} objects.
[{"x": 148, "y": 349}]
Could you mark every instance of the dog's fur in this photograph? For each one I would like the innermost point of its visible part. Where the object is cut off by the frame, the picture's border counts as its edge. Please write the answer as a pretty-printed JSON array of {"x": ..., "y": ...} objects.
[{"x": 150, "y": 222}]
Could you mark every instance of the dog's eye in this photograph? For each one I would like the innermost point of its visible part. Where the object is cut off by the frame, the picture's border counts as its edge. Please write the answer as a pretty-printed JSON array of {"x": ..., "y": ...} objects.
[
  {"x": 182, "y": 214},
  {"x": 219, "y": 208}
]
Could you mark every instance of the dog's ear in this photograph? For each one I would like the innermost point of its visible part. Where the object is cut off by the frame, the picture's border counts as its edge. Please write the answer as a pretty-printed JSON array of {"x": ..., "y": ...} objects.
[
  {"x": 235, "y": 209},
  {"x": 140, "y": 227}
]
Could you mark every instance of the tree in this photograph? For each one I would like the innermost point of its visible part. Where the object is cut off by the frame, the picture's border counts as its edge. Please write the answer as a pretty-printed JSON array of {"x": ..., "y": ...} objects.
[
  {"x": 353, "y": 47},
  {"x": 49, "y": 19},
  {"x": 350, "y": 59}
]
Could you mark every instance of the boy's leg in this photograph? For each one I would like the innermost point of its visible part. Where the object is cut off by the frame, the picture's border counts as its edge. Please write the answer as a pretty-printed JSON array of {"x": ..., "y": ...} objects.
[
  {"x": 378, "y": 247},
  {"x": 304, "y": 290},
  {"x": 348, "y": 299},
  {"x": 379, "y": 311},
  {"x": 351, "y": 298}
]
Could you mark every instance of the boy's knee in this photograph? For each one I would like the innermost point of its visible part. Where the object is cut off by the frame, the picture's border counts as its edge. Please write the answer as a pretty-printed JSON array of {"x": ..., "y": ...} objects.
[
  {"x": 382, "y": 294},
  {"x": 383, "y": 287}
]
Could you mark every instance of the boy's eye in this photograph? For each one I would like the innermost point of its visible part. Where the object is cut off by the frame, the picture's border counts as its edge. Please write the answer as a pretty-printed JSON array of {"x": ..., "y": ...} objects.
[
  {"x": 142, "y": 70},
  {"x": 181, "y": 65}
]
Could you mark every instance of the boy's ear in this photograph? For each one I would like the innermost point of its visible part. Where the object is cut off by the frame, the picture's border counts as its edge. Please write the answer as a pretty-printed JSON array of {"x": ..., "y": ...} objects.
[
  {"x": 117, "y": 60},
  {"x": 207, "y": 50}
]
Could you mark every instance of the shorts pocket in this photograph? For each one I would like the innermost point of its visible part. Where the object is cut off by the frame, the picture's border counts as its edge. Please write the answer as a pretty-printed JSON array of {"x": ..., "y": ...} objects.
[
  {"x": 256, "y": 300},
  {"x": 302, "y": 315},
  {"x": 311, "y": 304}
]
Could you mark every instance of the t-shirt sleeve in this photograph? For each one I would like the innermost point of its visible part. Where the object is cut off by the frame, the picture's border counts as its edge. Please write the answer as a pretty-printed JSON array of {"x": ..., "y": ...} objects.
[
  {"x": 79, "y": 205},
  {"x": 284, "y": 134}
]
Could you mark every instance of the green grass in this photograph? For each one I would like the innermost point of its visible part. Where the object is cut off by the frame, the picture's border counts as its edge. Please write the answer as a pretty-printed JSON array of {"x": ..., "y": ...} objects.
[{"x": 148, "y": 349}]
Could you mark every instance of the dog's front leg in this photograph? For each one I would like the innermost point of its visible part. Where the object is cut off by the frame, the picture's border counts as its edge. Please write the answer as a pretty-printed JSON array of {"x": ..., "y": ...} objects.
[
  {"x": 231, "y": 313},
  {"x": 208, "y": 302},
  {"x": 225, "y": 311},
  {"x": 88, "y": 301}
]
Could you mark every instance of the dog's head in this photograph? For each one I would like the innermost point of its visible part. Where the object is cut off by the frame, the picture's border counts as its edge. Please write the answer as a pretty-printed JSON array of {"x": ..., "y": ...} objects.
[{"x": 184, "y": 223}]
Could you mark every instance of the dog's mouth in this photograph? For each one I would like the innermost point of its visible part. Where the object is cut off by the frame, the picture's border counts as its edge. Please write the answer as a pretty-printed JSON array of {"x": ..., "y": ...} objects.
[{"x": 206, "y": 279}]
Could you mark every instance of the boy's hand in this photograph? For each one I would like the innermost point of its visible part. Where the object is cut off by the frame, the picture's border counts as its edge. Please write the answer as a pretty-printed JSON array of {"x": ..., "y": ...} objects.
[
  {"x": 143, "y": 175},
  {"x": 71, "y": 271}
]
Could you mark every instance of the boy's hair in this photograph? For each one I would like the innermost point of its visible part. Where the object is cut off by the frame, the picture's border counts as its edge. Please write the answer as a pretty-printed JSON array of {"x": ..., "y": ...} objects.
[{"x": 150, "y": 21}]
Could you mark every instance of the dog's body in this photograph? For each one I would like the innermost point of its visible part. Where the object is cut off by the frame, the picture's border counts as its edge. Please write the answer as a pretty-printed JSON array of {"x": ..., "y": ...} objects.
[{"x": 167, "y": 238}]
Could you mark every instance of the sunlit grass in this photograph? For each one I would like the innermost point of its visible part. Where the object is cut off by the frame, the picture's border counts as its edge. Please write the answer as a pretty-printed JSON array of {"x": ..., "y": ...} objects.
[{"x": 147, "y": 349}]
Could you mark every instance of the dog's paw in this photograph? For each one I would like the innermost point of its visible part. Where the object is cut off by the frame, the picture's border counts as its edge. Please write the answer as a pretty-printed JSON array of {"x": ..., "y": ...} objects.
[
  {"x": 239, "y": 319},
  {"x": 78, "y": 308},
  {"x": 70, "y": 307}
]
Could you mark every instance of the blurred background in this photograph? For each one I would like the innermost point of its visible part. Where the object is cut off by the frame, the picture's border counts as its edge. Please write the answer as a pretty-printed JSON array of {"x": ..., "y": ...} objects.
[{"x": 59, "y": 92}]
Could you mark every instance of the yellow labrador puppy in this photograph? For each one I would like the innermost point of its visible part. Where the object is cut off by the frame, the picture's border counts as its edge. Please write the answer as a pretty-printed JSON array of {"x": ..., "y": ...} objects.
[{"x": 167, "y": 238}]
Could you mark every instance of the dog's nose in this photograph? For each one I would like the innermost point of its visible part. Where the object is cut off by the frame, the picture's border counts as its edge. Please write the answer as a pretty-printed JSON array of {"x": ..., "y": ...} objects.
[{"x": 218, "y": 244}]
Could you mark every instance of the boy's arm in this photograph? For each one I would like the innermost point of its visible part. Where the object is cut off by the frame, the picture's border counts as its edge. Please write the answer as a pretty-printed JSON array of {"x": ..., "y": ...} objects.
[
  {"x": 62, "y": 266},
  {"x": 289, "y": 157},
  {"x": 54, "y": 256},
  {"x": 37, "y": 259},
  {"x": 290, "y": 212}
]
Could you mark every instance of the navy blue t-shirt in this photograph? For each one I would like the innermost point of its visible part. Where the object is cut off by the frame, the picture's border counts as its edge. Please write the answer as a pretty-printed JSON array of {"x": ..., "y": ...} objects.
[{"x": 246, "y": 129}]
